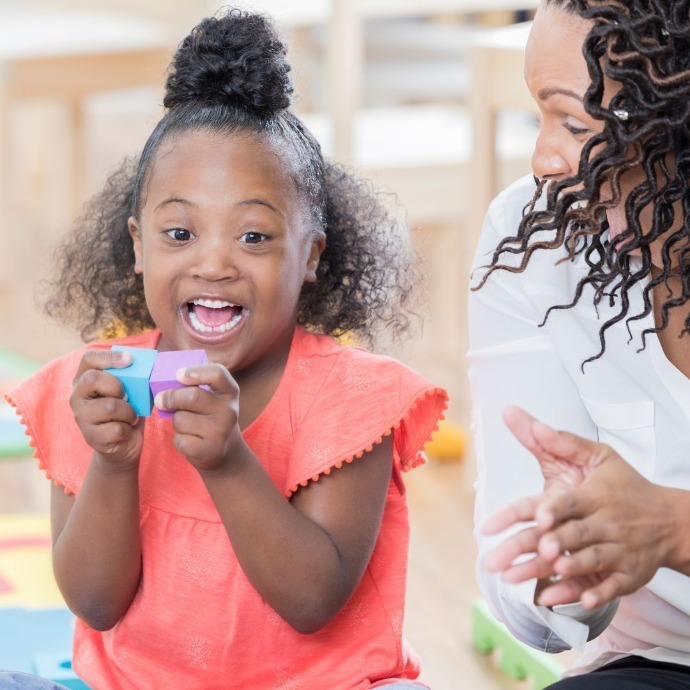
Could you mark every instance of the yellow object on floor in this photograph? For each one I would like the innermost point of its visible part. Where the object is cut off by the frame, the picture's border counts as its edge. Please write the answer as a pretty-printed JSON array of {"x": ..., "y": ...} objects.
[
  {"x": 26, "y": 570},
  {"x": 447, "y": 443}
]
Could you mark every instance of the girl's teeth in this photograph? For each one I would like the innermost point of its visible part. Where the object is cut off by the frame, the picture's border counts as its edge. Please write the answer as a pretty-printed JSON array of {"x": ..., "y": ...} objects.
[
  {"x": 212, "y": 303},
  {"x": 203, "y": 328}
]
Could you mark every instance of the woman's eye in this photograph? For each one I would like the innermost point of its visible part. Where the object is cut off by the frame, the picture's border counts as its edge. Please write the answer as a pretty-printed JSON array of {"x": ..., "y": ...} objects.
[
  {"x": 575, "y": 130},
  {"x": 253, "y": 237},
  {"x": 179, "y": 234}
]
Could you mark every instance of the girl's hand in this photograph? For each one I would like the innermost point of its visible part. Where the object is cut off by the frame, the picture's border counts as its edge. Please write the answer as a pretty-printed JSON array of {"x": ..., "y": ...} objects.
[
  {"x": 205, "y": 421},
  {"x": 108, "y": 423},
  {"x": 603, "y": 537}
]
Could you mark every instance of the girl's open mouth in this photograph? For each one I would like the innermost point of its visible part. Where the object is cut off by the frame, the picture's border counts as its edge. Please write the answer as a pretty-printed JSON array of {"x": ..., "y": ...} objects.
[{"x": 209, "y": 316}]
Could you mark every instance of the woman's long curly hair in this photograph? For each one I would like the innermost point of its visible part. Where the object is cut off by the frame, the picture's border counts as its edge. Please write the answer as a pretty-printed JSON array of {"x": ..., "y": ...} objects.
[
  {"x": 230, "y": 76},
  {"x": 644, "y": 46}
]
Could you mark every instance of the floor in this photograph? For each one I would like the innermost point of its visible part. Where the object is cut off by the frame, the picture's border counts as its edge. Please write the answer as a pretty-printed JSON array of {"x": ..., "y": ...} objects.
[{"x": 441, "y": 578}]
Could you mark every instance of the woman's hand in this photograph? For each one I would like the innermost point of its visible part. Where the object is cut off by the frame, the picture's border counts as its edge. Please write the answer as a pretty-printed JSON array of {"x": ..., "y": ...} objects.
[
  {"x": 601, "y": 528},
  {"x": 108, "y": 423},
  {"x": 205, "y": 419}
]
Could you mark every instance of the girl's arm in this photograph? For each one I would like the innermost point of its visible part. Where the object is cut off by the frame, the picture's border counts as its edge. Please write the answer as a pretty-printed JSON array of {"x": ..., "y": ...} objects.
[
  {"x": 305, "y": 556},
  {"x": 96, "y": 545}
]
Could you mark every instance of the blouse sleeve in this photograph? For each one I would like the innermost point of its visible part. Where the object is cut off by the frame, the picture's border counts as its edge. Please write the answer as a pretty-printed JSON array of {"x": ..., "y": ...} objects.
[
  {"x": 360, "y": 399},
  {"x": 42, "y": 403},
  {"x": 512, "y": 361}
]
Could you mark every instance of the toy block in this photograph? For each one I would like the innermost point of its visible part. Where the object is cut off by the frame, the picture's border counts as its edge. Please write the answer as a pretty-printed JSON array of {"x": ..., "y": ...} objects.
[
  {"x": 58, "y": 668},
  {"x": 28, "y": 632},
  {"x": 517, "y": 660},
  {"x": 163, "y": 376},
  {"x": 135, "y": 378}
]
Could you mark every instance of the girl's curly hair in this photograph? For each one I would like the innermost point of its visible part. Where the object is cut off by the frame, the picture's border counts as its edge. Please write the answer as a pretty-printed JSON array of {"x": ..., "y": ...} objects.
[
  {"x": 230, "y": 76},
  {"x": 644, "y": 46}
]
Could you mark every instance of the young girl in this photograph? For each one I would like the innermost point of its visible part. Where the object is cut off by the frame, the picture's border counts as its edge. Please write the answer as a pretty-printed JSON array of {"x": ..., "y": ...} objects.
[{"x": 260, "y": 539}]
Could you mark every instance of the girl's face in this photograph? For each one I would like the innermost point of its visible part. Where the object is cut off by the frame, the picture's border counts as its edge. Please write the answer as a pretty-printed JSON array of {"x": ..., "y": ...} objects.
[
  {"x": 557, "y": 77},
  {"x": 224, "y": 243}
]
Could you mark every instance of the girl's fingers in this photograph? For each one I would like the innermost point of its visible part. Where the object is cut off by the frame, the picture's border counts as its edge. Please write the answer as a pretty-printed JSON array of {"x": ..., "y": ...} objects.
[
  {"x": 202, "y": 386},
  {"x": 103, "y": 359},
  {"x": 94, "y": 383},
  {"x": 103, "y": 410},
  {"x": 215, "y": 376},
  {"x": 521, "y": 510}
]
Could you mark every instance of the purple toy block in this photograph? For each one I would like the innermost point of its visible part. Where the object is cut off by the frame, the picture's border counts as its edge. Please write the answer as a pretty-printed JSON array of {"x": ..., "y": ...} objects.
[{"x": 163, "y": 376}]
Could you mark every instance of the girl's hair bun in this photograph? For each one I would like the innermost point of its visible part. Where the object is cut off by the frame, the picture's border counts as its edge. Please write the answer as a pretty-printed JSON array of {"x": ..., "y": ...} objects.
[{"x": 234, "y": 59}]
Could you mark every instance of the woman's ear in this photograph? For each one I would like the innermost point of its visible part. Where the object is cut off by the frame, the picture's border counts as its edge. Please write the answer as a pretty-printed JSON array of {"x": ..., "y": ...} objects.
[
  {"x": 135, "y": 234},
  {"x": 317, "y": 246}
]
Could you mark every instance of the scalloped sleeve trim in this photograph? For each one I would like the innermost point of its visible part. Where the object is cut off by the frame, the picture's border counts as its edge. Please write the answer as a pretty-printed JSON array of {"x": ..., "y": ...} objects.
[
  {"x": 411, "y": 432},
  {"x": 33, "y": 443}
]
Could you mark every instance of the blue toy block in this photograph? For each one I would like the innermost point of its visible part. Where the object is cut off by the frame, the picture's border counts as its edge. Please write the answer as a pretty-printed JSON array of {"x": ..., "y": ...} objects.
[
  {"x": 163, "y": 376},
  {"x": 58, "y": 668},
  {"x": 135, "y": 378}
]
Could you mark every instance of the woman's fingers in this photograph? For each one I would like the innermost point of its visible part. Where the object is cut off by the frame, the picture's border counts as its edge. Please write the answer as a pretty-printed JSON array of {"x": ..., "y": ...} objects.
[
  {"x": 502, "y": 557},
  {"x": 522, "y": 510}
]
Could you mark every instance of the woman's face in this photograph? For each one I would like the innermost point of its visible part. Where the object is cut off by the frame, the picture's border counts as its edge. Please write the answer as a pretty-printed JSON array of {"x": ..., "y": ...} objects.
[{"x": 557, "y": 77}]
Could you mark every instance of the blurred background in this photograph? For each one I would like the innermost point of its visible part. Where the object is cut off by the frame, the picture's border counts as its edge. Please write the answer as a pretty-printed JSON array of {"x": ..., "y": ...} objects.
[{"x": 424, "y": 96}]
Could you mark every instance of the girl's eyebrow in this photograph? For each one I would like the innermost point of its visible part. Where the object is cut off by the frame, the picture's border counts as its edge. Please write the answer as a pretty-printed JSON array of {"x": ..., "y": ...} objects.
[
  {"x": 545, "y": 94},
  {"x": 174, "y": 200},
  {"x": 244, "y": 202},
  {"x": 261, "y": 202}
]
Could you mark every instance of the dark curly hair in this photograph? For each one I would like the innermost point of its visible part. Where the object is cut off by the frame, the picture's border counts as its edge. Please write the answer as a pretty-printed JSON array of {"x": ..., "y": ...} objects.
[
  {"x": 644, "y": 46},
  {"x": 230, "y": 75}
]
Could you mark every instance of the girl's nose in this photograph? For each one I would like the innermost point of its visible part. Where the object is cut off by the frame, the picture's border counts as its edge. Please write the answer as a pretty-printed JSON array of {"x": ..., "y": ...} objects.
[
  {"x": 547, "y": 161},
  {"x": 215, "y": 260}
]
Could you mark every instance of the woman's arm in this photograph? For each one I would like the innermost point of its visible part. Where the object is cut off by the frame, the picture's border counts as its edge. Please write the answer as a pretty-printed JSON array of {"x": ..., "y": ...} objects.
[
  {"x": 305, "y": 556},
  {"x": 96, "y": 543},
  {"x": 513, "y": 361}
]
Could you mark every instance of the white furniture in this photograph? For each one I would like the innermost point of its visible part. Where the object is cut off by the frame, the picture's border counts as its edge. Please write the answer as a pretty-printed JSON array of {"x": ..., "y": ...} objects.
[
  {"x": 497, "y": 75},
  {"x": 65, "y": 56}
]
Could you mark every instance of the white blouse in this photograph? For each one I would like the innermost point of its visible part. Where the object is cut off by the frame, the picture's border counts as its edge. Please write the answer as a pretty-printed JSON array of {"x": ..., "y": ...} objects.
[{"x": 635, "y": 401}]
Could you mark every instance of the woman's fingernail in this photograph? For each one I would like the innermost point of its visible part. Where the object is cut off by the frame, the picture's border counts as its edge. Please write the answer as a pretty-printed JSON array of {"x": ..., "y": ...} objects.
[{"x": 158, "y": 401}]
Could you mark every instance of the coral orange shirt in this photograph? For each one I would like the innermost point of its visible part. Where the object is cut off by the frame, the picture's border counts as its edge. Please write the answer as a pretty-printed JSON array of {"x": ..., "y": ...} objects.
[{"x": 196, "y": 622}]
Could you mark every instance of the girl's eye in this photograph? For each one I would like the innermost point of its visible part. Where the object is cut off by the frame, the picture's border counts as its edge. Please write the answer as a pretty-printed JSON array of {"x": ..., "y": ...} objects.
[
  {"x": 179, "y": 234},
  {"x": 253, "y": 237}
]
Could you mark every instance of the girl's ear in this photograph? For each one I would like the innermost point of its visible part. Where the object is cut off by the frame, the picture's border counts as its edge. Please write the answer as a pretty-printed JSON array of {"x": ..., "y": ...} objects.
[
  {"x": 135, "y": 234},
  {"x": 317, "y": 246}
]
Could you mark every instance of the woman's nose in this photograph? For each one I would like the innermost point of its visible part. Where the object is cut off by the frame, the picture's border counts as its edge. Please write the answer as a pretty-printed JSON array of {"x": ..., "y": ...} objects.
[{"x": 547, "y": 159}]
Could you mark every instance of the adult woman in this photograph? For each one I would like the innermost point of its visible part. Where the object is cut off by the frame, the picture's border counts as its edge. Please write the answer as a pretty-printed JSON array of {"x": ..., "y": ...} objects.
[{"x": 577, "y": 319}]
